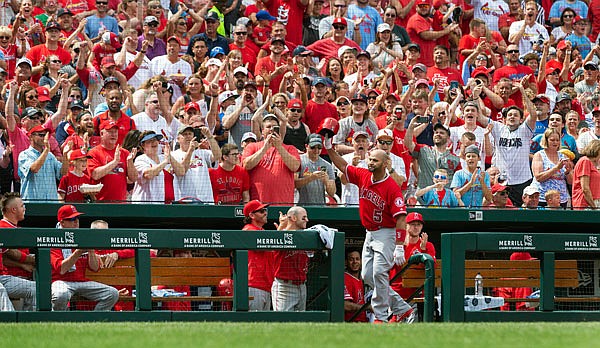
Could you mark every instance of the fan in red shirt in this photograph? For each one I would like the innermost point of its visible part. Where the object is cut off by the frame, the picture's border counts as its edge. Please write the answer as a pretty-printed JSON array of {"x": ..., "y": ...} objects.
[
  {"x": 114, "y": 98},
  {"x": 441, "y": 71},
  {"x": 230, "y": 182},
  {"x": 68, "y": 189},
  {"x": 38, "y": 53},
  {"x": 272, "y": 67},
  {"x": 260, "y": 263}
]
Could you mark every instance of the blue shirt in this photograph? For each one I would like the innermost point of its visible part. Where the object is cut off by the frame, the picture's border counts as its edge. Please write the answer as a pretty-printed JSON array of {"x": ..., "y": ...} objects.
[
  {"x": 95, "y": 23},
  {"x": 40, "y": 186},
  {"x": 432, "y": 199},
  {"x": 368, "y": 27},
  {"x": 566, "y": 142},
  {"x": 474, "y": 196},
  {"x": 583, "y": 44},
  {"x": 559, "y": 6},
  {"x": 541, "y": 126},
  {"x": 220, "y": 41}
]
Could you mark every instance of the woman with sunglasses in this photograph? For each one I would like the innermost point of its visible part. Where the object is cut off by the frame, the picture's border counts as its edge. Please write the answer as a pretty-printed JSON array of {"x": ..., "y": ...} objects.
[
  {"x": 10, "y": 50},
  {"x": 178, "y": 26},
  {"x": 50, "y": 78},
  {"x": 399, "y": 34},
  {"x": 566, "y": 25}
]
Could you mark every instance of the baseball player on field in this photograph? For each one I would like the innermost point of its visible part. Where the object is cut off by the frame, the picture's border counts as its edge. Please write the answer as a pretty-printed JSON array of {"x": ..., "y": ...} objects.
[
  {"x": 382, "y": 213},
  {"x": 288, "y": 292}
]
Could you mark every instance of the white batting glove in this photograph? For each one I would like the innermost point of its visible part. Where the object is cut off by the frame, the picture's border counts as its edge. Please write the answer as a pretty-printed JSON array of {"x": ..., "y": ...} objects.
[
  {"x": 327, "y": 143},
  {"x": 399, "y": 258}
]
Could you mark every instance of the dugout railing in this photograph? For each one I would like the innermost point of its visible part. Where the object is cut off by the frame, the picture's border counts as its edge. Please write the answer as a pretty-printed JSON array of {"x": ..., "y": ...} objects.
[
  {"x": 143, "y": 240},
  {"x": 455, "y": 246}
]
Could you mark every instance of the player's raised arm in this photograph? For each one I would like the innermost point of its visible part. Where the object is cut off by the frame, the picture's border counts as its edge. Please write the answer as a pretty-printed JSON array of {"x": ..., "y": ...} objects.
[{"x": 335, "y": 158}]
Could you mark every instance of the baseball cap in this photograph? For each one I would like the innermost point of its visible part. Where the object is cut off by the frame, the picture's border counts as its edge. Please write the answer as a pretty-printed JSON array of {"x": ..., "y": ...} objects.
[
  {"x": 591, "y": 64},
  {"x": 301, "y": 51},
  {"x": 321, "y": 80},
  {"x": 150, "y": 19},
  {"x": 250, "y": 83},
  {"x": 216, "y": 51},
  {"x": 111, "y": 39},
  {"x": 340, "y": 20},
  {"x": 226, "y": 95},
  {"x": 110, "y": 79},
  {"x": 374, "y": 90},
  {"x": 577, "y": 19},
  {"x": 108, "y": 125},
  {"x": 421, "y": 81},
  {"x": 77, "y": 154},
  {"x": 249, "y": 135},
  {"x": 212, "y": 16},
  {"x": 345, "y": 48},
  {"x": 521, "y": 256},
  {"x": 151, "y": 136},
  {"x": 76, "y": 104},
  {"x": 383, "y": 27},
  {"x": 414, "y": 216},
  {"x": 214, "y": 61},
  {"x": 191, "y": 105},
  {"x": 562, "y": 96},
  {"x": 243, "y": 21},
  {"x": 268, "y": 116},
  {"x": 472, "y": 149},
  {"x": 67, "y": 211},
  {"x": 393, "y": 95},
  {"x": 361, "y": 97},
  {"x": 498, "y": 188},
  {"x": 360, "y": 133},
  {"x": 562, "y": 44},
  {"x": 419, "y": 66},
  {"x": 530, "y": 190},
  {"x": 385, "y": 133},
  {"x": 294, "y": 103},
  {"x": 24, "y": 60},
  {"x": 38, "y": 129},
  {"x": 541, "y": 97},
  {"x": 31, "y": 111},
  {"x": 108, "y": 61},
  {"x": 314, "y": 140},
  {"x": 364, "y": 53},
  {"x": 63, "y": 11},
  {"x": 176, "y": 39},
  {"x": 551, "y": 70},
  {"x": 52, "y": 25},
  {"x": 240, "y": 69},
  {"x": 253, "y": 206},
  {"x": 413, "y": 45},
  {"x": 184, "y": 127},
  {"x": 263, "y": 14},
  {"x": 423, "y": 2},
  {"x": 482, "y": 70},
  {"x": 43, "y": 94},
  {"x": 277, "y": 39},
  {"x": 441, "y": 126}
]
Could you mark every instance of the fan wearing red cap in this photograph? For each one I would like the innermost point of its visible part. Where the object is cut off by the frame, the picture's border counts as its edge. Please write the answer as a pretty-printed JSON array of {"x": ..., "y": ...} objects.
[
  {"x": 417, "y": 243},
  {"x": 107, "y": 46},
  {"x": 335, "y": 43},
  {"x": 69, "y": 268},
  {"x": 296, "y": 131},
  {"x": 38, "y": 168},
  {"x": 68, "y": 188},
  {"x": 172, "y": 66},
  {"x": 260, "y": 263}
]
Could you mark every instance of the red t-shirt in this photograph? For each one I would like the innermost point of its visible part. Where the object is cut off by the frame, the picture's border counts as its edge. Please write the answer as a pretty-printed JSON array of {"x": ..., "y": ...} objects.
[
  {"x": 291, "y": 13},
  {"x": 327, "y": 48},
  {"x": 315, "y": 113},
  {"x": 354, "y": 292},
  {"x": 409, "y": 250},
  {"x": 260, "y": 265},
  {"x": 585, "y": 167},
  {"x": 69, "y": 186},
  {"x": 38, "y": 54},
  {"x": 416, "y": 25},
  {"x": 228, "y": 186},
  {"x": 78, "y": 275},
  {"x": 268, "y": 65},
  {"x": 115, "y": 182},
  {"x": 379, "y": 202},
  {"x": 124, "y": 122},
  {"x": 248, "y": 55},
  {"x": 271, "y": 181},
  {"x": 291, "y": 265},
  {"x": 445, "y": 76},
  {"x": 262, "y": 34}
]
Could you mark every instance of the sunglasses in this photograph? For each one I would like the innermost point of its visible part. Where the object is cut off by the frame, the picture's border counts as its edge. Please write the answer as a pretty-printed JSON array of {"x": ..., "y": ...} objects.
[
  {"x": 75, "y": 97},
  {"x": 101, "y": 3},
  {"x": 316, "y": 147},
  {"x": 240, "y": 33},
  {"x": 153, "y": 101},
  {"x": 512, "y": 51},
  {"x": 441, "y": 177},
  {"x": 262, "y": 211},
  {"x": 340, "y": 6},
  {"x": 296, "y": 110},
  {"x": 154, "y": 7},
  {"x": 568, "y": 16},
  {"x": 31, "y": 97},
  {"x": 55, "y": 61},
  {"x": 182, "y": 23},
  {"x": 4, "y": 37},
  {"x": 390, "y": 15},
  {"x": 343, "y": 103},
  {"x": 153, "y": 24},
  {"x": 339, "y": 27},
  {"x": 589, "y": 69},
  {"x": 442, "y": 113},
  {"x": 372, "y": 97},
  {"x": 385, "y": 142}
]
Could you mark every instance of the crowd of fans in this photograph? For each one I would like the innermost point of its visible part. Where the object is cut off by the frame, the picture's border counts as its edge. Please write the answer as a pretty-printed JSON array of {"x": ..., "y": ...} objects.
[{"x": 477, "y": 103}]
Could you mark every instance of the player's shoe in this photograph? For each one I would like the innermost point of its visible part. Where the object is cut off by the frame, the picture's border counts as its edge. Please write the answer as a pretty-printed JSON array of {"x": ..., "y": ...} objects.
[
  {"x": 407, "y": 317},
  {"x": 377, "y": 321}
]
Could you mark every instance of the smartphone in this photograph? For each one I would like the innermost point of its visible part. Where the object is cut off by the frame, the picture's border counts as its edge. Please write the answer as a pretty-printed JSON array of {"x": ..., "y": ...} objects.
[
  {"x": 365, "y": 82},
  {"x": 482, "y": 39},
  {"x": 398, "y": 111},
  {"x": 323, "y": 169},
  {"x": 453, "y": 84},
  {"x": 198, "y": 134},
  {"x": 422, "y": 119},
  {"x": 478, "y": 82},
  {"x": 276, "y": 129}
]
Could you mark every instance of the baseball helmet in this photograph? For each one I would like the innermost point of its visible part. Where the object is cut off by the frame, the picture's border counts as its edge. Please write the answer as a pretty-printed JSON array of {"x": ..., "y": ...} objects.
[
  {"x": 328, "y": 126},
  {"x": 225, "y": 287}
]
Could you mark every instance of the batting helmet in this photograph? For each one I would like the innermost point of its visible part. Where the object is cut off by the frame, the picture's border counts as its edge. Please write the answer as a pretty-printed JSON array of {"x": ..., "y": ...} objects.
[
  {"x": 225, "y": 287},
  {"x": 329, "y": 126}
]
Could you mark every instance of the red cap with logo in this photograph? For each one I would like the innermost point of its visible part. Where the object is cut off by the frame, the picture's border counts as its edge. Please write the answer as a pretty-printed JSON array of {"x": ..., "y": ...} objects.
[
  {"x": 108, "y": 125},
  {"x": 38, "y": 129},
  {"x": 191, "y": 105},
  {"x": 340, "y": 20},
  {"x": 67, "y": 212},
  {"x": 253, "y": 206},
  {"x": 295, "y": 103},
  {"x": 414, "y": 216},
  {"x": 43, "y": 94}
]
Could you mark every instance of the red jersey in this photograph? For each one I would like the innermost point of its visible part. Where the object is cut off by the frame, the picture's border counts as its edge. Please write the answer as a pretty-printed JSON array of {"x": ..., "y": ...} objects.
[
  {"x": 124, "y": 122},
  {"x": 416, "y": 25},
  {"x": 444, "y": 76},
  {"x": 4, "y": 224},
  {"x": 115, "y": 182},
  {"x": 78, "y": 6},
  {"x": 227, "y": 186},
  {"x": 409, "y": 250},
  {"x": 379, "y": 202},
  {"x": 290, "y": 13},
  {"x": 10, "y": 56},
  {"x": 38, "y": 54},
  {"x": 69, "y": 186},
  {"x": 77, "y": 275},
  {"x": 266, "y": 64},
  {"x": 315, "y": 113},
  {"x": 262, "y": 34},
  {"x": 291, "y": 265},
  {"x": 248, "y": 55},
  {"x": 260, "y": 265},
  {"x": 354, "y": 292}
]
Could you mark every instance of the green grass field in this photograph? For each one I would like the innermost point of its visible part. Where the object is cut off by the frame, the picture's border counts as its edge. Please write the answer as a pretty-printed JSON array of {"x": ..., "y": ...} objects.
[{"x": 226, "y": 335}]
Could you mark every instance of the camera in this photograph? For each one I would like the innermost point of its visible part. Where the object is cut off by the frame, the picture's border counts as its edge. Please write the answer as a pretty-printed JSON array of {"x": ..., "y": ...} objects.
[
  {"x": 455, "y": 17},
  {"x": 422, "y": 119},
  {"x": 540, "y": 40}
]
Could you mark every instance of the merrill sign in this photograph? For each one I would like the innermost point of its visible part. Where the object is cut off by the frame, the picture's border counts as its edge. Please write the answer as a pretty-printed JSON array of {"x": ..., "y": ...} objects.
[
  {"x": 287, "y": 242},
  {"x": 66, "y": 241},
  {"x": 203, "y": 242},
  {"x": 517, "y": 244},
  {"x": 582, "y": 245},
  {"x": 141, "y": 241}
]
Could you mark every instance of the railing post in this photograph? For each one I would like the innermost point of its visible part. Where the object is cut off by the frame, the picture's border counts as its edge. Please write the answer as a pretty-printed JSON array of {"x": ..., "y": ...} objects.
[
  {"x": 547, "y": 282},
  {"x": 240, "y": 281},
  {"x": 336, "y": 279},
  {"x": 453, "y": 274},
  {"x": 143, "y": 280},
  {"x": 429, "y": 288},
  {"x": 43, "y": 280}
]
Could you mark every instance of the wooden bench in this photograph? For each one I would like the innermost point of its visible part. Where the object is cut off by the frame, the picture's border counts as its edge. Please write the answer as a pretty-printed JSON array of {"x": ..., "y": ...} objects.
[
  {"x": 169, "y": 271},
  {"x": 504, "y": 273}
]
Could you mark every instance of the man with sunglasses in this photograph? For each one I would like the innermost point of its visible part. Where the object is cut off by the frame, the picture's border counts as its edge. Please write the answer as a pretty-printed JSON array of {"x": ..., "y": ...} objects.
[
  {"x": 329, "y": 47},
  {"x": 515, "y": 71},
  {"x": 297, "y": 131},
  {"x": 396, "y": 167},
  {"x": 249, "y": 53},
  {"x": 51, "y": 47},
  {"x": 590, "y": 78},
  {"x": 500, "y": 197},
  {"x": 315, "y": 179},
  {"x": 339, "y": 10},
  {"x": 100, "y": 22},
  {"x": 260, "y": 263},
  {"x": 69, "y": 267}
]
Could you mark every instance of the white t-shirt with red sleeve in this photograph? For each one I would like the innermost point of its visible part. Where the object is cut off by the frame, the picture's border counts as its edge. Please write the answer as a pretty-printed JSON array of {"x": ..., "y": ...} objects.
[{"x": 379, "y": 202}]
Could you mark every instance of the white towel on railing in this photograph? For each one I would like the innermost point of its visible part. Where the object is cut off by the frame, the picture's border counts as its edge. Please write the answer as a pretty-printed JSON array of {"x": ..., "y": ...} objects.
[{"x": 327, "y": 234}]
